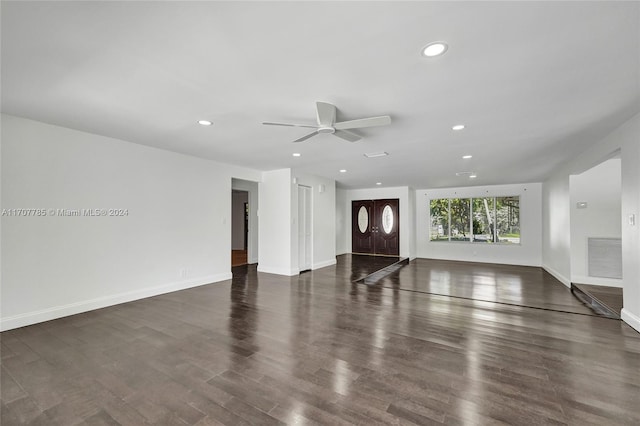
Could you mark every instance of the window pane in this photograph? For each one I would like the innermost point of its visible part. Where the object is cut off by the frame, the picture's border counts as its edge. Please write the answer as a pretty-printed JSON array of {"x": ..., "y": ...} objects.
[
  {"x": 483, "y": 220},
  {"x": 508, "y": 219},
  {"x": 363, "y": 219},
  {"x": 439, "y": 219},
  {"x": 387, "y": 219},
  {"x": 460, "y": 217}
]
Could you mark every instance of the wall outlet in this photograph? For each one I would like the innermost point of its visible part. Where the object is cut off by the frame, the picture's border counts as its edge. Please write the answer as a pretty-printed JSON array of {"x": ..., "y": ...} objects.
[{"x": 182, "y": 273}]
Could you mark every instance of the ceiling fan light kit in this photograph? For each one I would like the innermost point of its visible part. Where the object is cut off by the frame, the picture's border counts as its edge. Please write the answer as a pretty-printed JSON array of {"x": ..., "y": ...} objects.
[{"x": 326, "y": 119}]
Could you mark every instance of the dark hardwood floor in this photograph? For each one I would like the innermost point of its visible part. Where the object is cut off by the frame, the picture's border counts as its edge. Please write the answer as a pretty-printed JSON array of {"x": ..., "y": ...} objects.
[
  {"x": 319, "y": 349},
  {"x": 506, "y": 284}
]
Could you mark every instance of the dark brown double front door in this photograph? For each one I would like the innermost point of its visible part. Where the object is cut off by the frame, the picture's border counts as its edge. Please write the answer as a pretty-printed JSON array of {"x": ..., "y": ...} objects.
[{"x": 375, "y": 227}]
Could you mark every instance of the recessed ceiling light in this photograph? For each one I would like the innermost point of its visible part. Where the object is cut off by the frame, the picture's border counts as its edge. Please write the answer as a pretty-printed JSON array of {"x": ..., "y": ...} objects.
[
  {"x": 296, "y": 154},
  {"x": 436, "y": 48},
  {"x": 466, "y": 157},
  {"x": 378, "y": 183},
  {"x": 458, "y": 127},
  {"x": 472, "y": 176},
  {"x": 376, "y": 154},
  {"x": 205, "y": 122},
  {"x": 343, "y": 171}
]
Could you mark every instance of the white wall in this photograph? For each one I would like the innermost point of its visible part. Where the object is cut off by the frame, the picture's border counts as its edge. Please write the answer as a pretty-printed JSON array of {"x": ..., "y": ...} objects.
[
  {"x": 278, "y": 200},
  {"x": 275, "y": 223},
  {"x": 323, "y": 206},
  {"x": 601, "y": 188},
  {"x": 402, "y": 193},
  {"x": 556, "y": 246},
  {"x": 556, "y": 228},
  {"x": 413, "y": 234},
  {"x": 252, "y": 189},
  {"x": 343, "y": 220},
  {"x": 237, "y": 219},
  {"x": 176, "y": 233},
  {"x": 528, "y": 252},
  {"x": 628, "y": 137}
]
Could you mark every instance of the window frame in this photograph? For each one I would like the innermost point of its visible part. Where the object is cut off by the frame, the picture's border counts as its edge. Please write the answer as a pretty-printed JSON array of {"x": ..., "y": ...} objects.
[{"x": 470, "y": 238}]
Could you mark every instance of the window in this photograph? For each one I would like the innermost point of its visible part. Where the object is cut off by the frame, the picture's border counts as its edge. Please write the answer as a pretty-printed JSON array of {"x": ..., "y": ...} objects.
[
  {"x": 459, "y": 219},
  {"x": 480, "y": 220},
  {"x": 440, "y": 219},
  {"x": 508, "y": 219}
]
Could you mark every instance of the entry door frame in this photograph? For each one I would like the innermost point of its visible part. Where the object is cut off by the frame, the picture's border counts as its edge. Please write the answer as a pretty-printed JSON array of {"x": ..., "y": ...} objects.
[{"x": 374, "y": 240}]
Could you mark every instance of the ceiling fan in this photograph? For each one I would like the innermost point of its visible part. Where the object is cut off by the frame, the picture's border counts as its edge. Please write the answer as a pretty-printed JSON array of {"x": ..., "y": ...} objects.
[{"x": 326, "y": 118}]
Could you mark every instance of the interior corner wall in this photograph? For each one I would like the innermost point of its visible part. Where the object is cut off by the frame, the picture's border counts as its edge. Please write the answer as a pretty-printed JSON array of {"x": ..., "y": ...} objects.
[
  {"x": 556, "y": 226},
  {"x": 556, "y": 208},
  {"x": 173, "y": 231},
  {"x": 406, "y": 224},
  {"x": 275, "y": 223},
  {"x": 252, "y": 188},
  {"x": 527, "y": 253},
  {"x": 323, "y": 214},
  {"x": 341, "y": 221},
  {"x": 628, "y": 136}
]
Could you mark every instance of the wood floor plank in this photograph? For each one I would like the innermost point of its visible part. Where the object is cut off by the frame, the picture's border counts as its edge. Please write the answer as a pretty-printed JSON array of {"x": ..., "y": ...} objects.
[{"x": 436, "y": 342}]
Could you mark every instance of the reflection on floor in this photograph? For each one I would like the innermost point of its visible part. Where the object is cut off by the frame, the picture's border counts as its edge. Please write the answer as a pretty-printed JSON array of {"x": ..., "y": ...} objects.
[
  {"x": 320, "y": 349},
  {"x": 515, "y": 285}
]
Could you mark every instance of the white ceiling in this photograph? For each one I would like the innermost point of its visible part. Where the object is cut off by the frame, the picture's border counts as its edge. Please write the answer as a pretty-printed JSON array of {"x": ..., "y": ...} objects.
[{"x": 535, "y": 82}]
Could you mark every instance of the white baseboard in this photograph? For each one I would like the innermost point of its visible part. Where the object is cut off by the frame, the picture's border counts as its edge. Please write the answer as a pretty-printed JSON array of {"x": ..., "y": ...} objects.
[
  {"x": 557, "y": 275},
  {"x": 631, "y": 319},
  {"x": 278, "y": 271},
  {"x": 606, "y": 282},
  {"x": 55, "y": 312},
  {"x": 323, "y": 264},
  {"x": 475, "y": 259}
]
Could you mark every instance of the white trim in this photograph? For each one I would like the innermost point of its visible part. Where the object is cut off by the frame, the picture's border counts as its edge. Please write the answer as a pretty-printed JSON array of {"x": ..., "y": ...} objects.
[
  {"x": 606, "y": 282},
  {"x": 278, "y": 271},
  {"x": 631, "y": 319},
  {"x": 48, "y": 314},
  {"x": 557, "y": 275},
  {"x": 478, "y": 260},
  {"x": 323, "y": 264}
]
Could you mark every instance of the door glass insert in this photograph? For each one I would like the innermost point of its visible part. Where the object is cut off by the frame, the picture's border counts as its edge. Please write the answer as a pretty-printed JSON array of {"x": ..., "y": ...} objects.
[
  {"x": 387, "y": 219},
  {"x": 363, "y": 219}
]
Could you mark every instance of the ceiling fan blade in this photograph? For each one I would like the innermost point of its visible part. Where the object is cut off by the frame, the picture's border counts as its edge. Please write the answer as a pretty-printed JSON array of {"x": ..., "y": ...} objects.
[
  {"x": 363, "y": 122},
  {"x": 304, "y": 138},
  {"x": 268, "y": 123},
  {"x": 326, "y": 114},
  {"x": 346, "y": 135}
]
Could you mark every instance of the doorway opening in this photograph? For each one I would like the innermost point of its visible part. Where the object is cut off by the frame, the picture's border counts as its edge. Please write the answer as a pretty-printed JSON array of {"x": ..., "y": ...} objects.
[
  {"x": 244, "y": 222},
  {"x": 239, "y": 227},
  {"x": 596, "y": 236}
]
